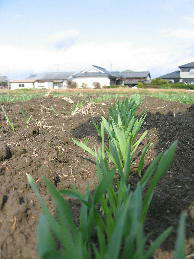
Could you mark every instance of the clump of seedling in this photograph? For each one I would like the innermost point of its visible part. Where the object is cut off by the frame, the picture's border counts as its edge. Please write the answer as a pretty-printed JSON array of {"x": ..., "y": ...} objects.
[
  {"x": 26, "y": 117},
  {"x": 9, "y": 122}
]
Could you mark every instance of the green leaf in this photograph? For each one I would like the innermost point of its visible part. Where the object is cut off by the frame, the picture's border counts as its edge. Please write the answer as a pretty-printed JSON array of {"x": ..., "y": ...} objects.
[
  {"x": 103, "y": 186},
  {"x": 114, "y": 245},
  {"x": 45, "y": 242},
  {"x": 135, "y": 146},
  {"x": 84, "y": 218},
  {"x": 74, "y": 194},
  {"x": 84, "y": 147},
  {"x": 141, "y": 162},
  {"x": 162, "y": 169},
  {"x": 180, "y": 241},
  {"x": 54, "y": 254},
  {"x": 62, "y": 206},
  {"x": 67, "y": 226},
  {"x": 150, "y": 170},
  {"x": 101, "y": 241},
  {"x": 51, "y": 220},
  {"x": 157, "y": 242},
  {"x": 116, "y": 158},
  {"x": 127, "y": 165}
]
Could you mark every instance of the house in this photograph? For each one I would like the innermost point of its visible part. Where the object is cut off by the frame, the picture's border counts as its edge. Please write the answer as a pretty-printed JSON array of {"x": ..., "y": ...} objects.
[
  {"x": 132, "y": 78},
  {"x": 94, "y": 77},
  {"x": 21, "y": 84},
  {"x": 185, "y": 74},
  {"x": 53, "y": 80},
  {"x": 98, "y": 77}
]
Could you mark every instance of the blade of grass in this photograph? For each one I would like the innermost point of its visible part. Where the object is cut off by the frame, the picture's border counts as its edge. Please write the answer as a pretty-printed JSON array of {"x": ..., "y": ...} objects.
[
  {"x": 45, "y": 242},
  {"x": 162, "y": 169},
  {"x": 180, "y": 241}
]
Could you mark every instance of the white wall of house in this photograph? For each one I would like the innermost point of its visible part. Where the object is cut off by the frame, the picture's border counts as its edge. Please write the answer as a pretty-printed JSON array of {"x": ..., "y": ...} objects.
[
  {"x": 46, "y": 85},
  {"x": 65, "y": 84},
  {"x": 21, "y": 85},
  {"x": 189, "y": 74},
  {"x": 89, "y": 81}
]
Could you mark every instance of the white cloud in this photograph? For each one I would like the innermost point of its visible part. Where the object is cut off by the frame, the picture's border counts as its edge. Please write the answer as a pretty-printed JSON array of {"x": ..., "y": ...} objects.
[
  {"x": 183, "y": 34},
  {"x": 179, "y": 34},
  {"x": 190, "y": 19},
  {"x": 64, "y": 39},
  {"x": 122, "y": 55}
]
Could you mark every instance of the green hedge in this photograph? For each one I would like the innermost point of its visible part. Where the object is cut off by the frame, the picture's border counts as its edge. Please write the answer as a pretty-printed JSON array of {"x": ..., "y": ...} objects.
[
  {"x": 116, "y": 86},
  {"x": 168, "y": 86}
]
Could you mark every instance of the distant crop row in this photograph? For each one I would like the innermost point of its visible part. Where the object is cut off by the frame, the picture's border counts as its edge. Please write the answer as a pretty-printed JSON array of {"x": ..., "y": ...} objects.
[{"x": 100, "y": 96}]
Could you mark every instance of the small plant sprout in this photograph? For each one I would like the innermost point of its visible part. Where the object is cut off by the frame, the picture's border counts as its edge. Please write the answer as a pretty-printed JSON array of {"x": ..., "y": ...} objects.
[
  {"x": 86, "y": 140},
  {"x": 9, "y": 122},
  {"x": 28, "y": 121}
]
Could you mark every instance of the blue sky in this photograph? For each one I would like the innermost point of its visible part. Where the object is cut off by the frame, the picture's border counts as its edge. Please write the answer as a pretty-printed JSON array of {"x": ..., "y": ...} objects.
[{"x": 60, "y": 35}]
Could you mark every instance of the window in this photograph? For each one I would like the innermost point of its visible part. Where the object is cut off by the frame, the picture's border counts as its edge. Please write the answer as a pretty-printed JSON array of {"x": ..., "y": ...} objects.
[{"x": 21, "y": 85}]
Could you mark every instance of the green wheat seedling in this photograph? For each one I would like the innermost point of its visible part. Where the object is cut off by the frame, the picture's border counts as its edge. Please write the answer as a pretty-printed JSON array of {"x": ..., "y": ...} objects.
[
  {"x": 114, "y": 216},
  {"x": 78, "y": 106},
  {"x": 103, "y": 98},
  {"x": 187, "y": 98},
  {"x": 125, "y": 109},
  {"x": 6, "y": 98},
  {"x": 23, "y": 112},
  {"x": 86, "y": 141},
  {"x": 27, "y": 118},
  {"x": 53, "y": 110},
  {"x": 28, "y": 121},
  {"x": 121, "y": 130},
  {"x": 9, "y": 122}
]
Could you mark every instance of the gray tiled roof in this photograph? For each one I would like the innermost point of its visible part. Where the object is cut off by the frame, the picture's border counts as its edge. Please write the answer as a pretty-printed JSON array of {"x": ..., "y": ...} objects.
[
  {"x": 124, "y": 74},
  {"x": 189, "y": 65},
  {"x": 132, "y": 81},
  {"x": 101, "y": 69},
  {"x": 102, "y": 73},
  {"x": 51, "y": 76},
  {"x": 91, "y": 74},
  {"x": 173, "y": 75},
  {"x": 133, "y": 74}
]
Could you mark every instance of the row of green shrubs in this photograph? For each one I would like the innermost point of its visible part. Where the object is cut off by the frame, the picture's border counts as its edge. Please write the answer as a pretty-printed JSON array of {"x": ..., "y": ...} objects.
[
  {"x": 159, "y": 84},
  {"x": 164, "y": 84}
]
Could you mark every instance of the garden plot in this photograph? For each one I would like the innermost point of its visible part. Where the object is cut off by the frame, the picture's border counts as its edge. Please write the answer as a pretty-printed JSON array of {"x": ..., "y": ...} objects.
[{"x": 35, "y": 139}]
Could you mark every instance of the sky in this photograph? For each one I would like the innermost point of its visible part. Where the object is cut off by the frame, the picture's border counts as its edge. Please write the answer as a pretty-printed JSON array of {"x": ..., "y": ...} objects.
[{"x": 60, "y": 35}]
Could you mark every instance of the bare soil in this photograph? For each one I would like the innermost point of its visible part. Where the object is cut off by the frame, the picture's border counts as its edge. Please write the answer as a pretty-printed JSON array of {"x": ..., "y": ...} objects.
[{"x": 41, "y": 146}]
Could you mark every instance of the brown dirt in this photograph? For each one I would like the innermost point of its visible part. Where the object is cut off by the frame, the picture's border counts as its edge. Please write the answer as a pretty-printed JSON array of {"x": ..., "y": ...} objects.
[{"x": 44, "y": 147}]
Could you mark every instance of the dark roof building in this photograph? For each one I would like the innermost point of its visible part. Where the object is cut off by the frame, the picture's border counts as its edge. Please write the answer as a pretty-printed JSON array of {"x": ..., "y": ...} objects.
[
  {"x": 51, "y": 76},
  {"x": 172, "y": 75},
  {"x": 133, "y": 74},
  {"x": 127, "y": 77},
  {"x": 189, "y": 65},
  {"x": 184, "y": 75}
]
